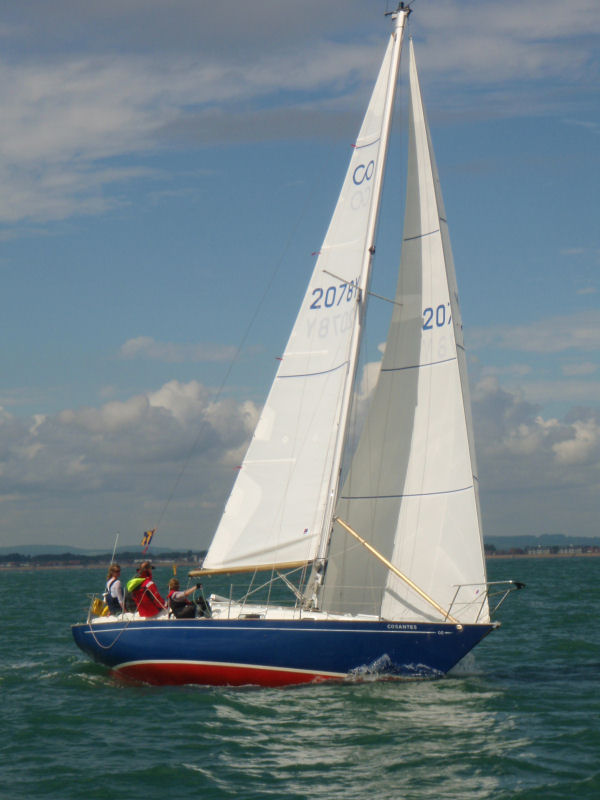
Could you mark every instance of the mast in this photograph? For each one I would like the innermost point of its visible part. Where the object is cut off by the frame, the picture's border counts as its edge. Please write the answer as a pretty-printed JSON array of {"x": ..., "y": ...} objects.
[{"x": 399, "y": 18}]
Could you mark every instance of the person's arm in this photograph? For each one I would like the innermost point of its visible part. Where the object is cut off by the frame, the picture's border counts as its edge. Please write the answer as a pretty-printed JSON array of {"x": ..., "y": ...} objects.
[
  {"x": 155, "y": 594},
  {"x": 181, "y": 594}
]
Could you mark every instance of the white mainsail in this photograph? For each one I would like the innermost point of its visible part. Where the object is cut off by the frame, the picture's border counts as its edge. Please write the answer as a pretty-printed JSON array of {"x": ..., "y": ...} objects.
[
  {"x": 411, "y": 490},
  {"x": 283, "y": 496}
]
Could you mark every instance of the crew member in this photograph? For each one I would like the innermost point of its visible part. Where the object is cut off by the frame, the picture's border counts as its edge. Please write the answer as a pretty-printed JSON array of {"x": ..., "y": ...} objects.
[
  {"x": 178, "y": 600},
  {"x": 147, "y": 597},
  {"x": 113, "y": 594}
]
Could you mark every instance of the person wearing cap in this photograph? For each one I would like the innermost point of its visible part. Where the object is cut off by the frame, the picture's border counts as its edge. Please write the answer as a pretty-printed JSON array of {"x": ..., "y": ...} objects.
[{"x": 147, "y": 597}]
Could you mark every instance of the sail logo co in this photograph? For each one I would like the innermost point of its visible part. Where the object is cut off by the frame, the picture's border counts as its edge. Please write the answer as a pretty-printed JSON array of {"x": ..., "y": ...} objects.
[
  {"x": 361, "y": 178},
  {"x": 363, "y": 173}
]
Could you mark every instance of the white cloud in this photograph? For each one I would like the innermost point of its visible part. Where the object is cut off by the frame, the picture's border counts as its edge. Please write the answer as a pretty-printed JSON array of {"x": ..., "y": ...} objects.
[
  {"x": 121, "y": 90},
  {"x": 542, "y": 474},
  {"x": 109, "y": 418},
  {"x": 172, "y": 353},
  {"x": 583, "y": 447},
  {"x": 556, "y": 334},
  {"x": 122, "y": 459},
  {"x": 90, "y": 470},
  {"x": 537, "y": 475},
  {"x": 62, "y": 121},
  {"x": 517, "y": 370},
  {"x": 567, "y": 392},
  {"x": 580, "y": 368}
]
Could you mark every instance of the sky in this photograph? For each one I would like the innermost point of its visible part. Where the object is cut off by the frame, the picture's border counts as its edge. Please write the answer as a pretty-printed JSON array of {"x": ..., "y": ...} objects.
[{"x": 167, "y": 170}]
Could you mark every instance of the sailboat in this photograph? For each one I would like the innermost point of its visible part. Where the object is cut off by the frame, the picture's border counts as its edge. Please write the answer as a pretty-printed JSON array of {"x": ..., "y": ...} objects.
[{"x": 386, "y": 543}]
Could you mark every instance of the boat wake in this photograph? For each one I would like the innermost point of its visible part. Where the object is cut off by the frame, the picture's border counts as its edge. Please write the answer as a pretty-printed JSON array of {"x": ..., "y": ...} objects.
[
  {"x": 384, "y": 668},
  {"x": 466, "y": 667}
]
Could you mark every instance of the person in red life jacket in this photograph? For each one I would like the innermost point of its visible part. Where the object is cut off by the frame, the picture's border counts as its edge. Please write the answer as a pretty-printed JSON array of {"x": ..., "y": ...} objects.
[{"x": 147, "y": 597}]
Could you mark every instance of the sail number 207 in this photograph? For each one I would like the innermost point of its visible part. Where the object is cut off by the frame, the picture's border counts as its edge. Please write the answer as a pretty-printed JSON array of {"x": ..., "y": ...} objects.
[{"x": 436, "y": 317}]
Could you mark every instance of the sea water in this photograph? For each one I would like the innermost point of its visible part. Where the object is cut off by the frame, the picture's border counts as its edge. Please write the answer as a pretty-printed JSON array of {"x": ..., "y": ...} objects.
[{"x": 520, "y": 718}]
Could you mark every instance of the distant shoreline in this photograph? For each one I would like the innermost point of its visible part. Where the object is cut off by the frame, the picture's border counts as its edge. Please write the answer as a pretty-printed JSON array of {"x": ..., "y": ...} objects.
[
  {"x": 542, "y": 555},
  {"x": 194, "y": 564},
  {"x": 126, "y": 567}
]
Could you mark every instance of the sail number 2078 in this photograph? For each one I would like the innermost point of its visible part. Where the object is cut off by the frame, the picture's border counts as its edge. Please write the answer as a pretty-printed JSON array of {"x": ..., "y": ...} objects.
[
  {"x": 436, "y": 317},
  {"x": 334, "y": 295}
]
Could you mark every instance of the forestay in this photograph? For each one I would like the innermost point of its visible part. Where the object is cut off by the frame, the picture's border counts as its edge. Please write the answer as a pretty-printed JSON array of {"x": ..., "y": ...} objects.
[
  {"x": 411, "y": 490},
  {"x": 285, "y": 488}
]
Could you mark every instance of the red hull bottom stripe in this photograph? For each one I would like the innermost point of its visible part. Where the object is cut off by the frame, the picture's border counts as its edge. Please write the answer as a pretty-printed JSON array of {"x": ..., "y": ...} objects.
[{"x": 207, "y": 674}]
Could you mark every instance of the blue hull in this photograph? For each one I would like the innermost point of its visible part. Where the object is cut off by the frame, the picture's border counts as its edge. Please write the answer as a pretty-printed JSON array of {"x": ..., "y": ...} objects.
[{"x": 275, "y": 652}]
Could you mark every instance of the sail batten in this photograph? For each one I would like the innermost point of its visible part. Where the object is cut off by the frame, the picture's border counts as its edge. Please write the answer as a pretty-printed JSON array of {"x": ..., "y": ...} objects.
[
  {"x": 313, "y": 374},
  {"x": 366, "y": 143},
  {"x": 398, "y": 496},
  {"x": 421, "y": 235},
  {"x": 418, "y": 366}
]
